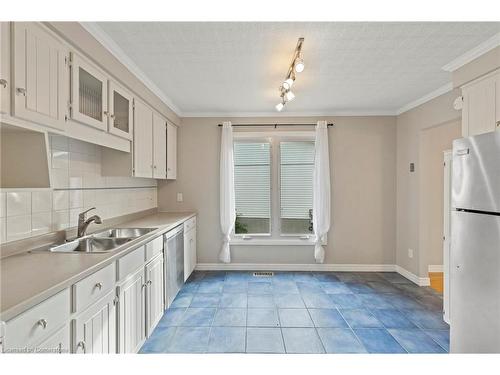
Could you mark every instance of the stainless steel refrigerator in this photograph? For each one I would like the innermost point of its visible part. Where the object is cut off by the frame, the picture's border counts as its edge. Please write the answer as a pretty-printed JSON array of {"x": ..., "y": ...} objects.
[{"x": 475, "y": 245}]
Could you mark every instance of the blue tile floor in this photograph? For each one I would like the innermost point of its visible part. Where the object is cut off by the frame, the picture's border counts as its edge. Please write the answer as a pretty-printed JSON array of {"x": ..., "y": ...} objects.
[{"x": 301, "y": 312}]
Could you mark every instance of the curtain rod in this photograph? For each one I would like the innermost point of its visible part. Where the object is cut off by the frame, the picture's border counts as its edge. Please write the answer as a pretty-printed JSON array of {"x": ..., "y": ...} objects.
[{"x": 276, "y": 125}]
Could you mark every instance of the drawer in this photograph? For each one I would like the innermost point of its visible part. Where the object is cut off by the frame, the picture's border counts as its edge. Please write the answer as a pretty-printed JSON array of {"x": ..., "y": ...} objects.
[
  {"x": 154, "y": 248},
  {"x": 93, "y": 287},
  {"x": 57, "y": 343},
  {"x": 190, "y": 224},
  {"x": 130, "y": 262},
  {"x": 38, "y": 323}
]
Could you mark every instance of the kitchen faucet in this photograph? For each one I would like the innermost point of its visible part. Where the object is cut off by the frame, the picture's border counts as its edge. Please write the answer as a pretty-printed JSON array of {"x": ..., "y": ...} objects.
[{"x": 83, "y": 224}]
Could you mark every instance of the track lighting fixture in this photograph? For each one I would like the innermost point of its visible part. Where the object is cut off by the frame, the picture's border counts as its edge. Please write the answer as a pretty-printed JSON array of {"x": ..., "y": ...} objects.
[{"x": 296, "y": 66}]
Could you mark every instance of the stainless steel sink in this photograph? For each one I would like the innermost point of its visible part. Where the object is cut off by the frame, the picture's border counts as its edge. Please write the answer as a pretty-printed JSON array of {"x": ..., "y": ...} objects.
[
  {"x": 123, "y": 233},
  {"x": 90, "y": 245}
]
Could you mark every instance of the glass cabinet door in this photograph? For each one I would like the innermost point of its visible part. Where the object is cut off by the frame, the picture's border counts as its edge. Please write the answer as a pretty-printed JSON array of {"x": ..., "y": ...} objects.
[
  {"x": 120, "y": 111},
  {"x": 88, "y": 93}
]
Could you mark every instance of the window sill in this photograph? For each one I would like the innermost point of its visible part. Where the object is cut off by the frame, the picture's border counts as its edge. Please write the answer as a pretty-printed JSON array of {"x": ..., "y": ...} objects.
[{"x": 285, "y": 241}]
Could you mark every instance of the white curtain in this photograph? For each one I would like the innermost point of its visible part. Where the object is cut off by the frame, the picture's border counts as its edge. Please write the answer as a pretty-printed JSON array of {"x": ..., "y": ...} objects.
[
  {"x": 321, "y": 190},
  {"x": 227, "y": 203}
]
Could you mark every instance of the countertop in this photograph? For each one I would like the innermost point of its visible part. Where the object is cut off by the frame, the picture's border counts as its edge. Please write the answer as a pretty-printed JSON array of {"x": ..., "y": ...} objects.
[{"x": 28, "y": 278}]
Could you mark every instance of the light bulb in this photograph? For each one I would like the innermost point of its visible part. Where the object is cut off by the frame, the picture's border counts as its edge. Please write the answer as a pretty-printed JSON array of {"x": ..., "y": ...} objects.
[
  {"x": 289, "y": 96},
  {"x": 299, "y": 65},
  {"x": 287, "y": 85},
  {"x": 279, "y": 107}
]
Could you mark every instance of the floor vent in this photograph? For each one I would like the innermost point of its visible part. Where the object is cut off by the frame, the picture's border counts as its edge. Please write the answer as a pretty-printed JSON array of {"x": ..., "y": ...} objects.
[{"x": 263, "y": 274}]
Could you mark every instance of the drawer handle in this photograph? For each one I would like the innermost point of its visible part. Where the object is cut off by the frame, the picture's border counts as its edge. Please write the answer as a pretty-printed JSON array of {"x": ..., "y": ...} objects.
[
  {"x": 21, "y": 91},
  {"x": 42, "y": 323},
  {"x": 81, "y": 344},
  {"x": 498, "y": 123},
  {"x": 3, "y": 82},
  {"x": 149, "y": 282},
  {"x": 98, "y": 286}
]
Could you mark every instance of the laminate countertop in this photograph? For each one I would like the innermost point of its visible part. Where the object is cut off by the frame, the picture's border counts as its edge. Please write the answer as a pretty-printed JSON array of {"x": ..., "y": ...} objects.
[{"x": 28, "y": 278}]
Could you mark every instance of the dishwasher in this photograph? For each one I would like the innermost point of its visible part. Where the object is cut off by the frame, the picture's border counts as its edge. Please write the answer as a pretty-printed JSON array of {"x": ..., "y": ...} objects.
[{"x": 173, "y": 265}]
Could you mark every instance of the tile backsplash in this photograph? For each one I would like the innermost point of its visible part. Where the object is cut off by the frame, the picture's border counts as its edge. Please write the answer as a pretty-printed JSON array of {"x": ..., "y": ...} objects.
[{"x": 77, "y": 184}]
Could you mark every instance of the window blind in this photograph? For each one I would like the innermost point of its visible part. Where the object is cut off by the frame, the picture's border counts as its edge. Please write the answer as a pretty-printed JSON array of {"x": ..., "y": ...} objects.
[
  {"x": 252, "y": 179},
  {"x": 296, "y": 174}
]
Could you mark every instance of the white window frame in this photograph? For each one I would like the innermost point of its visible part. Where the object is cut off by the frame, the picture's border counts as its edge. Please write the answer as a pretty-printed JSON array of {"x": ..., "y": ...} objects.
[{"x": 275, "y": 237}]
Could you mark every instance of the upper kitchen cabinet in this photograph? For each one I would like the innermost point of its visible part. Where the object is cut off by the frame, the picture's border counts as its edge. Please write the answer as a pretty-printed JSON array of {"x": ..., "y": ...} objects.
[
  {"x": 5, "y": 67},
  {"x": 40, "y": 78},
  {"x": 159, "y": 146},
  {"x": 481, "y": 105},
  {"x": 171, "y": 152},
  {"x": 89, "y": 93},
  {"x": 143, "y": 139},
  {"x": 120, "y": 111}
]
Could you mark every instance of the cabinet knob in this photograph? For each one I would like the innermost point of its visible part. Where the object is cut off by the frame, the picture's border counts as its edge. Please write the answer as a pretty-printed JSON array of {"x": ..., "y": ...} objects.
[
  {"x": 498, "y": 123},
  {"x": 81, "y": 344},
  {"x": 149, "y": 282},
  {"x": 42, "y": 323},
  {"x": 98, "y": 285},
  {"x": 21, "y": 91},
  {"x": 4, "y": 83}
]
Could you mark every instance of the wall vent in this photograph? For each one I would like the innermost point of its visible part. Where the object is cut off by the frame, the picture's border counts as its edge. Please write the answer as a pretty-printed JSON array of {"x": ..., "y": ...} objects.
[{"x": 263, "y": 274}]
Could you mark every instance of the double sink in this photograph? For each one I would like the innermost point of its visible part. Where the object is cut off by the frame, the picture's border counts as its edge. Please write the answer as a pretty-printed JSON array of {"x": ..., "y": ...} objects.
[{"x": 101, "y": 242}]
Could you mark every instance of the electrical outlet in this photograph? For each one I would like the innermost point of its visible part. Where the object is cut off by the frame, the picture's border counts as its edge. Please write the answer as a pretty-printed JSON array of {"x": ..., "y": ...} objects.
[
  {"x": 410, "y": 253},
  {"x": 179, "y": 197}
]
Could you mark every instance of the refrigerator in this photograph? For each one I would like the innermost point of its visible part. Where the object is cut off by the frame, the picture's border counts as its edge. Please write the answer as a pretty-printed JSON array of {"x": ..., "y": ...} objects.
[{"x": 475, "y": 245}]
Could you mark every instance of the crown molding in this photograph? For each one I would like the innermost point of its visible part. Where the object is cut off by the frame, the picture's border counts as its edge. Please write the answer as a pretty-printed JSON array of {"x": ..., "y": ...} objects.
[
  {"x": 473, "y": 54},
  {"x": 102, "y": 37},
  {"x": 361, "y": 112},
  {"x": 433, "y": 94}
]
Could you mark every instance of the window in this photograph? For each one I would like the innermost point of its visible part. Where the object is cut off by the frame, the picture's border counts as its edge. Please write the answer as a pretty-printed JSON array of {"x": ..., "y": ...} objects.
[{"x": 273, "y": 187}]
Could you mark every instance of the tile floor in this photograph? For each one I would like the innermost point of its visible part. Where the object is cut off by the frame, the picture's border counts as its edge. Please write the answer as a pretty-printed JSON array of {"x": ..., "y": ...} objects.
[{"x": 301, "y": 312}]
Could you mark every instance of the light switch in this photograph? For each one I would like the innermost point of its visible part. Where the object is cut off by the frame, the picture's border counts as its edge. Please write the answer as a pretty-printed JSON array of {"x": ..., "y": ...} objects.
[{"x": 179, "y": 197}]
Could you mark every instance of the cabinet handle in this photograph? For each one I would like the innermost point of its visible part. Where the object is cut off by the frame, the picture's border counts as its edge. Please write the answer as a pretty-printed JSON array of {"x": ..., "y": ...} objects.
[
  {"x": 106, "y": 113},
  {"x": 154, "y": 166},
  {"x": 81, "y": 344},
  {"x": 498, "y": 123},
  {"x": 4, "y": 83},
  {"x": 149, "y": 282},
  {"x": 21, "y": 91},
  {"x": 99, "y": 286},
  {"x": 42, "y": 323}
]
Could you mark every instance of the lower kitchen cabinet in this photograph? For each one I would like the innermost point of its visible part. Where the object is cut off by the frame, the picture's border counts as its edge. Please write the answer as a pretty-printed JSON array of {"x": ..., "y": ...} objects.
[
  {"x": 94, "y": 330},
  {"x": 59, "y": 342},
  {"x": 131, "y": 314},
  {"x": 154, "y": 293},
  {"x": 189, "y": 247}
]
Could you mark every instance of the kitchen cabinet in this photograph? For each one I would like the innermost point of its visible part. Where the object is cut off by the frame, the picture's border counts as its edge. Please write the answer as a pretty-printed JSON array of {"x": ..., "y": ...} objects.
[
  {"x": 40, "y": 75},
  {"x": 189, "y": 247},
  {"x": 159, "y": 146},
  {"x": 94, "y": 330},
  {"x": 481, "y": 105},
  {"x": 120, "y": 119},
  {"x": 154, "y": 293},
  {"x": 5, "y": 67},
  {"x": 143, "y": 138},
  {"x": 57, "y": 343},
  {"x": 89, "y": 98},
  {"x": 131, "y": 314},
  {"x": 171, "y": 151}
]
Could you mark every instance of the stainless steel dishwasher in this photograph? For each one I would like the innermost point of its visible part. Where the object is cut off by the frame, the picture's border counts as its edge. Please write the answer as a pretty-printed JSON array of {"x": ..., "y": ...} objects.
[{"x": 173, "y": 264}]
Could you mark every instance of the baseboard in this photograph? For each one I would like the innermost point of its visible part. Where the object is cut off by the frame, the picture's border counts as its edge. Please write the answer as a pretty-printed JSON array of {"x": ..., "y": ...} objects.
[
  {"x": 420, "y": 281},
  {"x": 295, "y": 267},
  {"x": 435, "y": 268}
]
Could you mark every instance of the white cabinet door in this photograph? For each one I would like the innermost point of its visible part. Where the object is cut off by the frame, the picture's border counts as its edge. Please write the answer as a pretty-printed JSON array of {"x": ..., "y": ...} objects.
[
  {"x": 480, "y": 109},
  {"x": 120, "y": 102},
  {"x": 94, "y": 330},
  {"x": 131, "y": 315},
  {"x": 143, "y": 140},
  {"x": 5, "y": 81},
  {"x": 171, "y": 151},
  {"x": 89, "y": 98},
  {"x": 57, "y": 343},
  {"x": 189, "y": 252},
  {"x": 154, "y": 293},
  {"x": 159, "y": 146},
  {"x": 40, "y": 75}
]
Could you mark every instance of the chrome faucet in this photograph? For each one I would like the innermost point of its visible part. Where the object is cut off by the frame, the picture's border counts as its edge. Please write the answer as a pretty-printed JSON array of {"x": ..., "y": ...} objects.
[{"x": 83, "y": 224}]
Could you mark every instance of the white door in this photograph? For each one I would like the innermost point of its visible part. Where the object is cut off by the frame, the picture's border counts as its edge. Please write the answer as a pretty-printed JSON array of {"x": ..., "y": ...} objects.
[
  {"x": 131, "y": 315},
  {"x": 159, "y": 146},
  {"x": 5, "y": 81},
  {"x": 40, "y": 75},
  {"x": 120, "y": 111},
  {"x": 89, "y": 93},
  {"x": 94, "y": 330},
  {"x": 143, "y": 140},
  {"x": 154, "y": 293},
  {"x": 58, "y": 342},
  {"x": 171, "y": 151},
  {"x": 447, "y": 167}
]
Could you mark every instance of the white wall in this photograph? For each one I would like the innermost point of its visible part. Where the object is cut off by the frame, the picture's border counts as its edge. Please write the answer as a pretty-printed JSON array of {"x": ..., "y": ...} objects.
[
  {"x": 78, "y": 185},
  {"x": 363, "y": 163}
]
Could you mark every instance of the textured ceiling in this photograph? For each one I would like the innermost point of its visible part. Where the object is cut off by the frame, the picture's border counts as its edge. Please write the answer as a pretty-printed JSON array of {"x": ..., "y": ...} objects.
[{"x": 237, "y": 67}]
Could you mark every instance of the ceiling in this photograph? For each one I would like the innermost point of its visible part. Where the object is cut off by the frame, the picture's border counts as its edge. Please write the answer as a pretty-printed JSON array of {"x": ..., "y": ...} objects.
[{"x": 220, "y": 68}]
